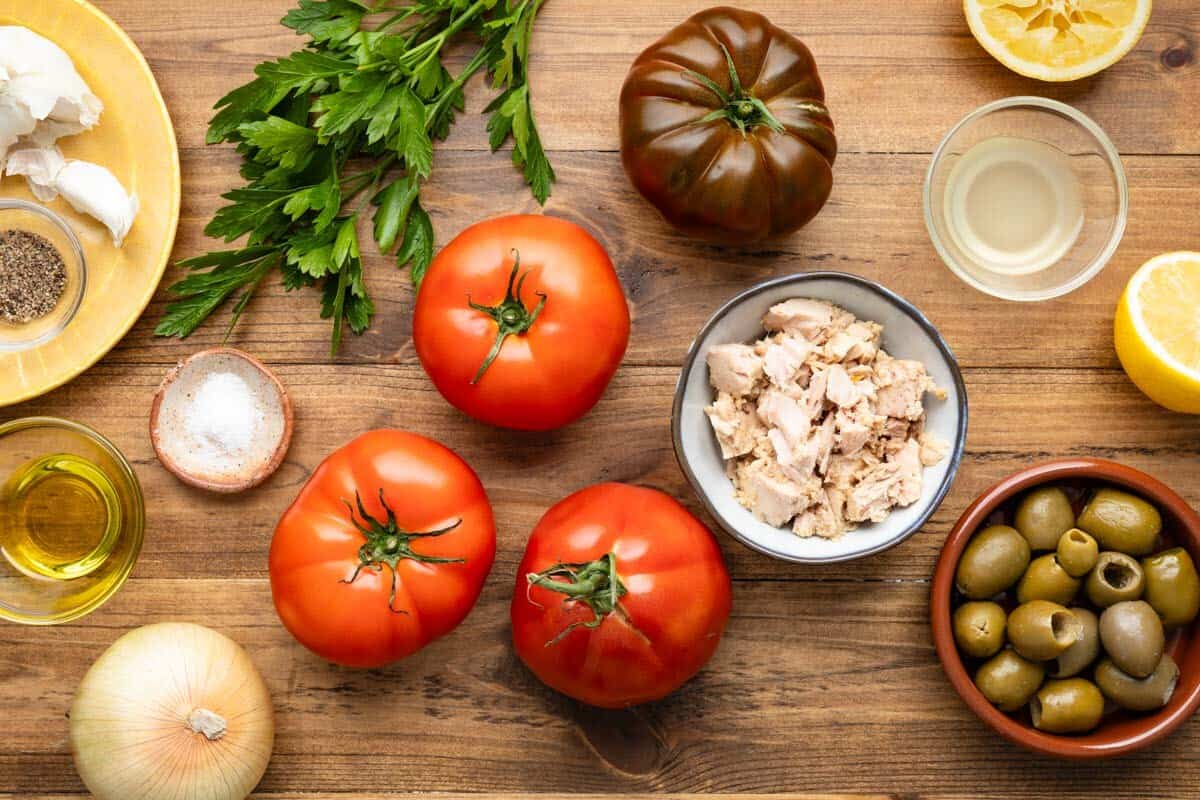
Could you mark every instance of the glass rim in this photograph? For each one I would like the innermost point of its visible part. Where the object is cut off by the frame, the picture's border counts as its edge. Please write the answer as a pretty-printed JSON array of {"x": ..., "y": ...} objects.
[
  {"x": 1113, "y": 158},
  {"x": 9, "y": 203}
]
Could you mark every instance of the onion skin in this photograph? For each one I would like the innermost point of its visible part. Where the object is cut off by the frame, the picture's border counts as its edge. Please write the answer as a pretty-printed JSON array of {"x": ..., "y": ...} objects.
[{"x": 172, "y": 711}]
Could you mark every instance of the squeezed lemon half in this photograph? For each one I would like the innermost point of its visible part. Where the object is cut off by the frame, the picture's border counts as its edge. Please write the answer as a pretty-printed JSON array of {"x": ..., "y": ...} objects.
[
  {"x": 1057, "y": 40},
  {"x": 1157, "y": 330}
]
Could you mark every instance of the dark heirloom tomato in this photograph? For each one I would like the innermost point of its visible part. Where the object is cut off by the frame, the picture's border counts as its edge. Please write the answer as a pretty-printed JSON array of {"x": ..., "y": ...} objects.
[
  {"x": 724, "y": 128},
  {"x": 621, "y": 598}
]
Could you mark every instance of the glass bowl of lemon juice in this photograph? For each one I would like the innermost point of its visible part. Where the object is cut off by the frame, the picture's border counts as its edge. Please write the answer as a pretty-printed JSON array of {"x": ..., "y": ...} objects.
[
  {"x": 71, "y": 520},
  {"x": 1026, "y": 199}
]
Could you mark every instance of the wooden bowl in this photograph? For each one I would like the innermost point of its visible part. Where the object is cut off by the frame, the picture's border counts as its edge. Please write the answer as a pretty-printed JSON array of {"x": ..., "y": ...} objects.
[
  {"x": 1121, "y": 732},
  {"x": 164, "y": 424}
]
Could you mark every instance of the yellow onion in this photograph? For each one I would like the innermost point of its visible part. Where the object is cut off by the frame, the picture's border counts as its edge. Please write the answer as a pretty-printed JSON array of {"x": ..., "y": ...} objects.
[{"x": 172, "y": 711}]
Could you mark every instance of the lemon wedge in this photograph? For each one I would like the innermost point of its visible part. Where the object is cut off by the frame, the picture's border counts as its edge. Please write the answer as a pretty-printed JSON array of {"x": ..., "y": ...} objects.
[
  {"x": 1157, "y": 330},
  {"x": 1057, "y": 40}
]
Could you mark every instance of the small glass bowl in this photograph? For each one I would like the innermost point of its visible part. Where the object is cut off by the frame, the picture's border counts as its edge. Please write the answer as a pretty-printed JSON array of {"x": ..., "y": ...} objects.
[
  {"x": 1104, "y": 194},
  {"x": 23, "y": 215},
  {"x": 96, "y": 569}
]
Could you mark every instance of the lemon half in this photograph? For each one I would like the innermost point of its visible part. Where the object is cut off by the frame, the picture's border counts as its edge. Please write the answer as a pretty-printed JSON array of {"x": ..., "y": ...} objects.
[
  {"x": 1057, "y": 40},
  {"x": 1157, "y": 330}
]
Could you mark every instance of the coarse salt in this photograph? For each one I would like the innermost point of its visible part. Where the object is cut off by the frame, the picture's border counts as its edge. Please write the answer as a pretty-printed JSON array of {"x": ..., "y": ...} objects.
[{"x": 223, "y": 418}]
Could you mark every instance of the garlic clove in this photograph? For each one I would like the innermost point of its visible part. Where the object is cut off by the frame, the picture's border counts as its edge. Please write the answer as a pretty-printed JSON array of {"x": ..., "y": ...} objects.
[
  {"x": 40, "y": 166},
  {"x": 93, "y": 190}
]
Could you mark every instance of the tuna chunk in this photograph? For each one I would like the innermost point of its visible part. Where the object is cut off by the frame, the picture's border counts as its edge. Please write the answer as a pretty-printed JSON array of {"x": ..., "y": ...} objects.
[
  {"x": 855, "y": 427},
  {"x": 840, "y": 390},
  {"x": 803, "y": 317},
  {"x": 821, "y": 519},
  {"x": 902, "y": 384},
  {"x": 784, "y": 359},
  {"x": 884, "y": 486},
  {"x": 772, "y": 496},
  {"x": 933, "y": 449},
  {"x": 734, "y": 368},
  {"x": 778, "y": 410},
  {"x": 858, "y": 342},
  {"x": 735, "y": 426}
]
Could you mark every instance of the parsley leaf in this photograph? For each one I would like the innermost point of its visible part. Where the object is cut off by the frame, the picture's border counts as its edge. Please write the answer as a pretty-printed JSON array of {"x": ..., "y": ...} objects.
[{"x": 371, "y": 90}]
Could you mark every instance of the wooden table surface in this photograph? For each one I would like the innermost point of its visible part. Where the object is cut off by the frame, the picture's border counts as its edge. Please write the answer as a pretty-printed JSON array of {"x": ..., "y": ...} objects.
[{"x": 826, "y": 682}]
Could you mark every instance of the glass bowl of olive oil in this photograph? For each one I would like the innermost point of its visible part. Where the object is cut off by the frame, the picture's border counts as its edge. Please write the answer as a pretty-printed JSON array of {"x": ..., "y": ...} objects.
[
  {"x": 71, "y": 520},
  {"x": 1026, "y": 199}
]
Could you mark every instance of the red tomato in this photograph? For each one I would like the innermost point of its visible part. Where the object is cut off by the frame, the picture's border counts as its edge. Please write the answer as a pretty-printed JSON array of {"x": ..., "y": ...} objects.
[
  {"x": 384, "y": 550},
  {"x": 543, "y": 292},
  {"x": 621, "y": 597}
]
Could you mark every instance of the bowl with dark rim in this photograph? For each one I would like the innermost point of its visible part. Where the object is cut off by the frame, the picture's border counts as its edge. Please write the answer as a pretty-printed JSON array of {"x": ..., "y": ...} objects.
[
  {"x": 907, "y": 334},
  {"x": 1121, "y": 732}
]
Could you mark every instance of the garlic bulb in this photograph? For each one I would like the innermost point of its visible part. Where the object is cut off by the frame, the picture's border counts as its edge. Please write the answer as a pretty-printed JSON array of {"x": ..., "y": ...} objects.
[
  {"x": 172, "y": 711},
  {"x": 41, "y": 94}
]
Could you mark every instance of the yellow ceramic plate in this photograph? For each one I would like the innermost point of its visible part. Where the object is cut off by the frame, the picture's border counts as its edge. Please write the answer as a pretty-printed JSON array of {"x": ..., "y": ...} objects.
[{"x": 136, "y": 142}]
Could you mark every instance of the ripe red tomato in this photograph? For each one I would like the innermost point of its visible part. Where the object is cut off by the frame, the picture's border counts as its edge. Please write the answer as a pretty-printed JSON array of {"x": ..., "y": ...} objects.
[
  {"x": 384, "y": 550},
  {"x": 521, "y": 322},
  {"x": 621, "y": 597}
]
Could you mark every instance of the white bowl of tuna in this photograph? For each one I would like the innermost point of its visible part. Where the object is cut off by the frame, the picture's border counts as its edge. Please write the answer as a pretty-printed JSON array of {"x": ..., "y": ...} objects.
[{"x": 820, "y": 417}]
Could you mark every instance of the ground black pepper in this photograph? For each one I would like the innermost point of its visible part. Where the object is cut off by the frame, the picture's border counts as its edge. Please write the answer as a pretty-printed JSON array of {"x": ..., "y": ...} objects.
[{"x": 32, "y": 276}]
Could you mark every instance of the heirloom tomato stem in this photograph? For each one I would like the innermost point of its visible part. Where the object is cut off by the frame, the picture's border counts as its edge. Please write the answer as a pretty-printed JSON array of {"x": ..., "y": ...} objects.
[
  {"x": 510, "y": 315},
  {"x": 739, "y": 107},
  {"x": 388, "y": 543},
  {"x": 595, "y": 584}
]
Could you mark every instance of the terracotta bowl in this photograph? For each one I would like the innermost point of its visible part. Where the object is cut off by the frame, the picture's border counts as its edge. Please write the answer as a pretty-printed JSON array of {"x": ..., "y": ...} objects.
[
  {"x": 176, "y": 389},
  {"x": 1121, "y": 732}
]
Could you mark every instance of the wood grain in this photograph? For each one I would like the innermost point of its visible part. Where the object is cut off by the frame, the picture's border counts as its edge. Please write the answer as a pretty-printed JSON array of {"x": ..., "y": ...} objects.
[{"x": 826, "y": 686}]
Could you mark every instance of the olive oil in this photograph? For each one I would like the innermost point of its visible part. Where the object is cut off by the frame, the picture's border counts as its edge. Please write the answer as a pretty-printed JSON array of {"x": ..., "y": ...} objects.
[
  {"x": 60, "y": 517},
  {"x": 1014, "y": 206}
]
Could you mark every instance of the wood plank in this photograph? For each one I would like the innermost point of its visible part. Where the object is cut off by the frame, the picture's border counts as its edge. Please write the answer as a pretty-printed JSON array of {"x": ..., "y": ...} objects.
[
  {"x": 1017, "y": 418},
  {"x": 835, "y": 689},
  {"x": 874, "y": 59},
  {"x": 872, "y": 227}
]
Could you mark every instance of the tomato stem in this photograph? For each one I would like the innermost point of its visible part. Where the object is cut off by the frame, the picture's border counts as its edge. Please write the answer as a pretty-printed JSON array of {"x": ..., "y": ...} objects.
[
  {"x": 510, "y": 315},
  {"x": 739, "y": 107},
  {"x": 595, "y": 584},
  {"x": 388, "y": 543}
]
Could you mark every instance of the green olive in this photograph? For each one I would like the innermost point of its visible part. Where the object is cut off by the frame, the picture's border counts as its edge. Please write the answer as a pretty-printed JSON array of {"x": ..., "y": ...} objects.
[
  {"x": 1073, "y": 705},
  {"x": 1172, "y": 586},
  {"x": 1008, "y": 681},
  {"x": 1077, "y": 552},
  {"x": 1079, "y": 656},
  {"x": 1121, "y": 521},
  {"x": 1115, "y": 578},
  {"x": 979, "y": 628},
  {"x": 1041, "y": 630},
  {"x": 1132, "y": 635},
  {"x": 1047, "y": 580},
  {"x": 1043, "y": 516},
  {"x": 1138, "y": 694},
  {"x": 994, "y": 560}
]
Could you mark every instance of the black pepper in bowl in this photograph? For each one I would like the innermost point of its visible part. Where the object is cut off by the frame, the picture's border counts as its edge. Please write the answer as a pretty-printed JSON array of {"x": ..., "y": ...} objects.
[{"x": 32, "y": 276}]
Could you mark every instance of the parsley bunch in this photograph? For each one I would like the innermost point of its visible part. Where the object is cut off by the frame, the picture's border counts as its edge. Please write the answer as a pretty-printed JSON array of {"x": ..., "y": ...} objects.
[{"x": 351, "y": 119}]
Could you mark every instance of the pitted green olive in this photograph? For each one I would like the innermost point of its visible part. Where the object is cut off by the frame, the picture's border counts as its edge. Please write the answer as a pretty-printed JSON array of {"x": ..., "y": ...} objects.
[
  {"x": 1077, "y": 552},
  {"x": 1047, "y": 580},
  {"x": 1040, "y": 630},
  {"x": 1121, "y": 521},
  {"x": 1132, "y": 636},
  {"x": 1043, "y": 516},
  {"x": 1008, "y": 681},
  {"x": 1115, "y": 578},
  {"x": 1138, "y": 694},
  {"x": 993, "y": 560},
  {"x": 1073, "y": 705},
  {"x": 1172, "y": 586},
  {"x": 979, "y": 628},
  {"x": 1079, "y": 656}
]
